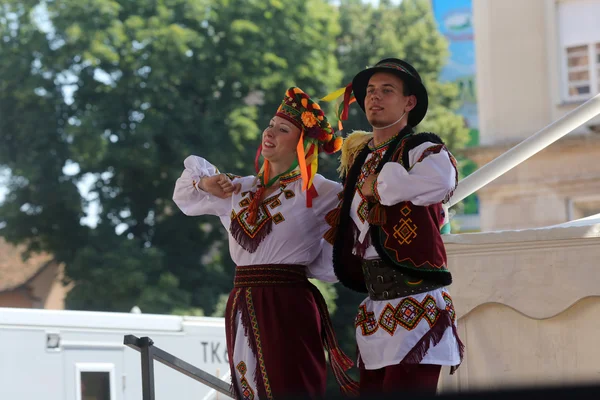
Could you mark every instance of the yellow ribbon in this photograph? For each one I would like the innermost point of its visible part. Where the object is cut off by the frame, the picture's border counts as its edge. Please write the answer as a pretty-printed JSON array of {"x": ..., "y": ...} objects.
[{"x": 334, "y": 95}]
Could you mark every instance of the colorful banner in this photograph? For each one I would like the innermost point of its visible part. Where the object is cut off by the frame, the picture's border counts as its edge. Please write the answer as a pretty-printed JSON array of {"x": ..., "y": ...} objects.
[{"x": 455, "y": 22}]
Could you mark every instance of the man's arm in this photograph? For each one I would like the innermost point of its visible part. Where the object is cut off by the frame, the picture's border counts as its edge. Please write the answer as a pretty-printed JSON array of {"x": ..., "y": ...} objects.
[{"x": 430, "y": 179}]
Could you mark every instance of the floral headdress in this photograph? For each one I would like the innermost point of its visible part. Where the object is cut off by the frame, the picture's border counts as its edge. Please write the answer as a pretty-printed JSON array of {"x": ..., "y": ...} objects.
[{"x": 316, "y": 135}]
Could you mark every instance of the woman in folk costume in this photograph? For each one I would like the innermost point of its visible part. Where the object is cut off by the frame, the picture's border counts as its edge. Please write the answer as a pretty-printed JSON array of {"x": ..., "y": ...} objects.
[
  {"x": 386, "y": 234},
  {"x": 277, "y": 323}
]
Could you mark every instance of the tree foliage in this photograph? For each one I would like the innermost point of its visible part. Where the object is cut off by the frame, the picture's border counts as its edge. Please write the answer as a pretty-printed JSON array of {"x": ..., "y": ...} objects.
[
  {"x": 407, "y": 31},
  {"x": 115, "y": 94}
]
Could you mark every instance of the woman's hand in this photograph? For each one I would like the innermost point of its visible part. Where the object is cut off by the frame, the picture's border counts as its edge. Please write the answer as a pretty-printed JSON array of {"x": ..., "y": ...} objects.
[
  {"x": 228, "y": 187},
  {"x": 219, "y": 185}
]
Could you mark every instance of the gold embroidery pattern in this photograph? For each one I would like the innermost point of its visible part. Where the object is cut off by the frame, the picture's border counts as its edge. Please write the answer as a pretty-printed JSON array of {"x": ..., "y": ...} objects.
[
  {"x": 405, "y": 231},
  {"x": 247, "y": 392}
]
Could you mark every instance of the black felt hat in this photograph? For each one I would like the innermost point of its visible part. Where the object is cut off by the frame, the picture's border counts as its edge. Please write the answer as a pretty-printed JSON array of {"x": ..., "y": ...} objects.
[{"x": 404, "y": 71}]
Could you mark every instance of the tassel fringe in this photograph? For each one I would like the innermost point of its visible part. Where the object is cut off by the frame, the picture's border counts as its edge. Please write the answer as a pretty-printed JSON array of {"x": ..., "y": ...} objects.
[
  {"x": 333, "y": 217},
  {"x": 431, "y": 338},
  {"x": 461, "y": 349},
  {"x": 377, "y": 215},
  {"x": 247, "y": 242},
  {"x": 253, "y": 207},
  {"x": 339, "y": 361},
  {"x": 330, "y": 235}
]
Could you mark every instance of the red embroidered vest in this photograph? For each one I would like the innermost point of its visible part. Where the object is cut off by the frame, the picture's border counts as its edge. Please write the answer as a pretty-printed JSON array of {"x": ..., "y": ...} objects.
[{"x": 408, "y": 238}]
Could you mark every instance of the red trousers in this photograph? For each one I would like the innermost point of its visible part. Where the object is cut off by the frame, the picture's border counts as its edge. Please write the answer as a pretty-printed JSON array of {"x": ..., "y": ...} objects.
[{"x": 417, "y": 378}]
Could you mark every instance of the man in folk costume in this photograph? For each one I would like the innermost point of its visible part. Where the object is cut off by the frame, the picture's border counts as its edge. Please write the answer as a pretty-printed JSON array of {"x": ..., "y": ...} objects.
[
  {"x": 277, "y": 323},
  {"x": 386, "y": 234}
]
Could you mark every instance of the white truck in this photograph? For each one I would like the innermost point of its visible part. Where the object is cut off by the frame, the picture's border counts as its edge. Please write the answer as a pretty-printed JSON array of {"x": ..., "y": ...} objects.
[{"x": 80, "y": 355}]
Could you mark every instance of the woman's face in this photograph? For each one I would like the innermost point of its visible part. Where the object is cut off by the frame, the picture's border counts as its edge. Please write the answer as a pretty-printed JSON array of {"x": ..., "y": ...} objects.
[{"x": 279, "y": 141}]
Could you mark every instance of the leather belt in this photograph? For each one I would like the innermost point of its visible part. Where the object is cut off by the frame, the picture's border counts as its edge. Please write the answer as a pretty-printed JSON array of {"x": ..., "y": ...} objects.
[{"x": 385, "y": 282}]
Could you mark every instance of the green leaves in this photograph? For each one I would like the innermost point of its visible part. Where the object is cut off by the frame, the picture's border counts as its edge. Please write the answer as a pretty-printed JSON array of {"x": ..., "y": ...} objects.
[
  {"x": 125, "y": 91},
  {"x": 407, "y": 31}
]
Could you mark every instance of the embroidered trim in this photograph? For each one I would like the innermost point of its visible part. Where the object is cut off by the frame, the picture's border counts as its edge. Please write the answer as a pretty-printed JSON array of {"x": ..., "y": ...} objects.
[
  {"x": 260, "y": 359},
  {"x": 431, "y": 150},
  {"x": 289, "y": 178},
  {"x": 395, "y": 66},
  {"x": 408, "y": 314},
  {"x": 375, "y": 191},
  {"x": 232, "y": 176},
  {"x": 399, "y": 153},
  {"x": 380, "y": 146},
  {"x": 249, "y": 236},
  {"x": 247, "y": 392},
  {"x": 366, "y": 320},
  {"x": 449, "y": 306},
  {"x": 232, "y": 328},
  {"x": 363, "y": 208},
  {"x": 387, "y": 319},
  {"x": 454, "y": 164},
  {"x": 269, "y": 276},
  {"x": 240, "y": 270},
  {"x": 367, "y": 169}
]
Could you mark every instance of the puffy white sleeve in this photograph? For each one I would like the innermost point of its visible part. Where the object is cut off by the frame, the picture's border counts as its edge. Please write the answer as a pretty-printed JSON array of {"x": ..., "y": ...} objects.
[
  {"x": 322, "y": 267},
  {"x": 430, "y": 179},
  {"x": 189, "y": 198}
]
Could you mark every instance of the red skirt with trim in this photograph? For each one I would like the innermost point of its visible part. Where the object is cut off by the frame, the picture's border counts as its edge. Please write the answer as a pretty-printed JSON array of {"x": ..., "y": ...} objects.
[{"x": 287, "y": 325}]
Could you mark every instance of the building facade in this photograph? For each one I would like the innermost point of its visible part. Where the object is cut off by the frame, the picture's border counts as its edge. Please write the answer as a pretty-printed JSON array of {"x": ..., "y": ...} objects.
[{"x": 536, "y": 61}]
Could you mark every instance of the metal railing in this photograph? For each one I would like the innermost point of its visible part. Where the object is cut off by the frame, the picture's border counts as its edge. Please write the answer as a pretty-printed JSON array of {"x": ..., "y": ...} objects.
[
  {"x": 526, "y": 149},
  {"x": 149, "y": 353}
]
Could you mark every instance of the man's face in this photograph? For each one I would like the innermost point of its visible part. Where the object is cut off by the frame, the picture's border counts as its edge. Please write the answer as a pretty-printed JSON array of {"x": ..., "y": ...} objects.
[{"x": 385, "y": 101}]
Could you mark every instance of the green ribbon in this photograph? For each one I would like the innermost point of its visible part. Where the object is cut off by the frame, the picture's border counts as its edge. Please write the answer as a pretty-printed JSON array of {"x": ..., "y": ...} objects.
[{"x": 274, "y": 179}]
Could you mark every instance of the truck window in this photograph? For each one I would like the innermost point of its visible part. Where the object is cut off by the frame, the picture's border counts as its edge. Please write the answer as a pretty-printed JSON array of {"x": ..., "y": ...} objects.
[{"x": 95, "y": 385}]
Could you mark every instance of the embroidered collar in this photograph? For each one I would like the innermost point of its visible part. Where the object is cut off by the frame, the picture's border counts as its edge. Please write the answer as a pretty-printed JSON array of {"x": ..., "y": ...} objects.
[
  {"x": 383, "y": 145},
  {"x": 290, "y": 177}
]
